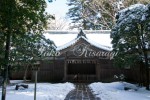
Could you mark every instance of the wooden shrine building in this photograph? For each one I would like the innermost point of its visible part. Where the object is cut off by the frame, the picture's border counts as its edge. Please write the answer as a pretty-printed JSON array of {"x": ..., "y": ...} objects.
[
  {"x": 80, "y": 59},
  {"x": 81, "y": 56}
]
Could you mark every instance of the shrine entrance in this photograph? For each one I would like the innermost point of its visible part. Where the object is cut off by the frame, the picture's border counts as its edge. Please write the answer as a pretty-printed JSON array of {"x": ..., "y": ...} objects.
[{"x": 81, "y": 71}]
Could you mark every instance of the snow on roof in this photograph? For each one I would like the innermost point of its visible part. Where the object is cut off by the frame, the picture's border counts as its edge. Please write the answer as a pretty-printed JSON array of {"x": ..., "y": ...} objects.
[
  {"x": 64, "y": 39},
  {"x": 77, "y": 31},
  {"x": 88, "y": 40},
  {"x": 68, "y": 44},
  {"x": 107, "y": 48}
]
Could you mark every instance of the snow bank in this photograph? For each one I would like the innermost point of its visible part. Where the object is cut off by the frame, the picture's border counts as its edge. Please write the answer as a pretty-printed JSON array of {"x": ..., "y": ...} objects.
[
  {"x": 45, "y": 91},
  {"x": 115, "y": 91}
]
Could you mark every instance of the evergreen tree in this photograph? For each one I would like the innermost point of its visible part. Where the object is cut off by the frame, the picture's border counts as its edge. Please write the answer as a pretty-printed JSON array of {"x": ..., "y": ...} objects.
[
  {"x": 79, "y": 13},
  {"x": 18, "y": 17},
  {"x": 131, "y": 37},
  {"x": 26, "y": 51}
]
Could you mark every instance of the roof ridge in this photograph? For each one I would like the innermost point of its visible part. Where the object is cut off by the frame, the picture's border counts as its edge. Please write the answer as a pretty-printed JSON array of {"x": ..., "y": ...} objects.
[{"x": 77, "y": 31}]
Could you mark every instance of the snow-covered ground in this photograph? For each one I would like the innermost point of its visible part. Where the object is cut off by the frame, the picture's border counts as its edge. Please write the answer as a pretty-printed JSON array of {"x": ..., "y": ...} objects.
[
  {"x": 115, "y": 91},
  {"x": 58, "y": 91},
  {"x": 45, "y": 91}
]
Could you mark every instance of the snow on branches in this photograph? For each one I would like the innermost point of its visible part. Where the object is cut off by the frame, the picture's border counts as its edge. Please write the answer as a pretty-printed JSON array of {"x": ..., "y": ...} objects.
[
  {"x": 135, "y": 13},
  {"x": 131, "y": 33}
]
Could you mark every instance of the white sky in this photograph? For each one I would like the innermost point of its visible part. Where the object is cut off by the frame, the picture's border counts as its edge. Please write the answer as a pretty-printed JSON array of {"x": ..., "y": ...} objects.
[{"x": 59, "y": 8}]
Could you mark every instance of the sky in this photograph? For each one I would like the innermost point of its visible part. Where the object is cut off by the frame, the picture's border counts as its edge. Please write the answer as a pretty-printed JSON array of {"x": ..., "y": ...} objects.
[{"x": 58, "y": 8}]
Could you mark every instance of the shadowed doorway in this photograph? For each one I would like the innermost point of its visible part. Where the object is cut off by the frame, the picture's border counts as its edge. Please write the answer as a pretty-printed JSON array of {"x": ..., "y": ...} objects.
[{"x": 81, "y": 71}]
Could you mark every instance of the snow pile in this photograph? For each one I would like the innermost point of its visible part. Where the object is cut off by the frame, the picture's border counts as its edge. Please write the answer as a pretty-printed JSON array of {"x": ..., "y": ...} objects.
[
  {"x": 45, "y": 91},
  {"x": 115, "y": 91}
]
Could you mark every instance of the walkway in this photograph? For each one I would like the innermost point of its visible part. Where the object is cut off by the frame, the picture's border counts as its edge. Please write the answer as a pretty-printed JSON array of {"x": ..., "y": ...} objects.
[{"x": 81, "y": 92}]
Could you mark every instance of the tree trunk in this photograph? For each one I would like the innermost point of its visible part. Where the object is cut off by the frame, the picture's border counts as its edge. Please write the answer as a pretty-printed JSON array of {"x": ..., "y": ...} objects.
[
  {"x": 141, "y": 81},
  {"x": 25, "y": 73},
  {"x": 7, "y": 50},
  {"x": 146, "y": 70},
  {"x": 146, "y": 66},
  {"x": 5, "y": 80},
  {"x": 147, "y": 76}
]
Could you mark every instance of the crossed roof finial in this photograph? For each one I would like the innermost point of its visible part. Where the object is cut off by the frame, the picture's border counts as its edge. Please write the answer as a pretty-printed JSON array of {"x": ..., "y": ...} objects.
[{"x": 81, "y": 33}]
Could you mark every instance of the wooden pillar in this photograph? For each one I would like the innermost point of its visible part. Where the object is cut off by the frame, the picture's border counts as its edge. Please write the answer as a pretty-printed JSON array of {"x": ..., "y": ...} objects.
[
  {"x": 65, "y": 71},
  {"x": 53, "y": 74},
  {"x": 98, "y": 70},
  {"x": 65, "y": 68}
]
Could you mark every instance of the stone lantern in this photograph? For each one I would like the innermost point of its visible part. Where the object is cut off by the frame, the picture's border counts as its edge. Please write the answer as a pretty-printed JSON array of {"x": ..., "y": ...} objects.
[{"x": 35, "y": 68}]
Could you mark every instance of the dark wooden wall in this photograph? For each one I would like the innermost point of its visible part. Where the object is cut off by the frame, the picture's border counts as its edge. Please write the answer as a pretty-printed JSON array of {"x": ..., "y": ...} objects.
[
  {"x": 50, "y": 71},
  {"x": 107, "y": 72},
  {"x": 53, "y": 71},
  {"x": 19, "y": 74}
]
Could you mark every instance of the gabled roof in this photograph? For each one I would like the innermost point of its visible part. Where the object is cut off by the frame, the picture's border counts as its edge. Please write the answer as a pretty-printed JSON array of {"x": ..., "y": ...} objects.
[
  {"x": 83, "y": 36},
  {"x": 88, "y": 40},
  {"x": 64, "y": 39}
]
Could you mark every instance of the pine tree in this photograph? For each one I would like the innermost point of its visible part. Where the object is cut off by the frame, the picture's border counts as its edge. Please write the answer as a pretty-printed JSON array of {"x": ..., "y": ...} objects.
[{"x": 79, "y": 13}]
